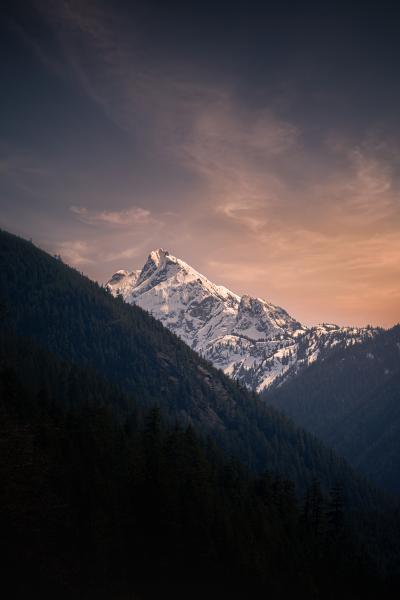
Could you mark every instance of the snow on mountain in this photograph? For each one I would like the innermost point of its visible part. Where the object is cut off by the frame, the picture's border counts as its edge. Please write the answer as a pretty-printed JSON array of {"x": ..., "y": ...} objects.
[
  {"x": 251, "y": 339},
  {"x": 124, "y": 281}
]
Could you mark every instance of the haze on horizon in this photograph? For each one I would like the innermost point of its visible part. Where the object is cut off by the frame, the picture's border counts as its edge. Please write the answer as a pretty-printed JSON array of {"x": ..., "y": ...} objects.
[{"x": 258, "y": 143}]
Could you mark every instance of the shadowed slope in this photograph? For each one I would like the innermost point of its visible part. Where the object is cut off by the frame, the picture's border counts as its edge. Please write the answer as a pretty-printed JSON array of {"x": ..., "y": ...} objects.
[{"x": 76, "y": 319}]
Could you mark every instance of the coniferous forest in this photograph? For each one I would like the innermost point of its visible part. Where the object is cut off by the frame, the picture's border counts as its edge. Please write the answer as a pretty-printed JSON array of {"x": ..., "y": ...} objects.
[{"x": 131, "y": 468}]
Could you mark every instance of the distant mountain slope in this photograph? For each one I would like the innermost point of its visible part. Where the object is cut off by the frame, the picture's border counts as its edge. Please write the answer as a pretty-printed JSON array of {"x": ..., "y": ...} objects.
[
  {"x": 370, "y": 435},
  {"x": 351, "y": 400},
  {"x": 251, "y": 339},
  {"x": 73, "y": 317}
]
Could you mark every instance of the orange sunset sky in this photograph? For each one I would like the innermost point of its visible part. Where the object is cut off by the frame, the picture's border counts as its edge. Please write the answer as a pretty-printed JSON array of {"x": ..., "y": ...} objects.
[{"x": 264, "y": 154}]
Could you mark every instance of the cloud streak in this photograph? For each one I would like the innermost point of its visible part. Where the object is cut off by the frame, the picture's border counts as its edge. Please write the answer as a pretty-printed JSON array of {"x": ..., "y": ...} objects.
[
  {"x": 239, "y": 190},
  {"x": 121, "y": 218}
]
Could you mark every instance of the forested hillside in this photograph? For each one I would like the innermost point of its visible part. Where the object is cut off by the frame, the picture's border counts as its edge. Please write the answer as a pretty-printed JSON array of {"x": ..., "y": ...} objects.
[
  {"x": 74, "y": 318},
  {"x": 101, "y": 499},
  {"x": 351, "y": 400}
]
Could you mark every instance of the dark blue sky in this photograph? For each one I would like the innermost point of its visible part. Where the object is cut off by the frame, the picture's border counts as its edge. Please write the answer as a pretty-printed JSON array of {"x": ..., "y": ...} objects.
[{"x": 259, "y": 142}]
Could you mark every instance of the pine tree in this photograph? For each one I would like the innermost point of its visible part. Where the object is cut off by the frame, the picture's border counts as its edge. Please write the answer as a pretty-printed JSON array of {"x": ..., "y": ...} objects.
[
  {"x": 335, "y": 511},
  {"x": 316, "y": 501}
]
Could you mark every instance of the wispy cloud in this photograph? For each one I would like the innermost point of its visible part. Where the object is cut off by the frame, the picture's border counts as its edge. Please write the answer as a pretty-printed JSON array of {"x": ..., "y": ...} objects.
[
  {"x": 85, "y": 254},
  {"x": 363, "y": 194},
  {"x": 75, "y": 252},
  {"x": 121, "y": 218},
  {"x": 17, "y": 162},
  {"x": 246, "y": 212}
]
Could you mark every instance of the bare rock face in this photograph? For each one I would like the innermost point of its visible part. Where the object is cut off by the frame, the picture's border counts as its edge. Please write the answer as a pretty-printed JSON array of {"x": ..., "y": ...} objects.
[{"x": 250, "y": 339}]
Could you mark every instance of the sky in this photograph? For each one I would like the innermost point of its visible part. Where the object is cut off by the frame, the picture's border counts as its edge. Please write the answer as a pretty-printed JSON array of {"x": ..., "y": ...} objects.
[{"x": 258, "y": 142}]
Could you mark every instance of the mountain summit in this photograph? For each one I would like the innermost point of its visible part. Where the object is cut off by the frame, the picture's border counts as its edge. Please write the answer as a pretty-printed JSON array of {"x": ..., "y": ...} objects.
[{"x": 250, "y": 339}]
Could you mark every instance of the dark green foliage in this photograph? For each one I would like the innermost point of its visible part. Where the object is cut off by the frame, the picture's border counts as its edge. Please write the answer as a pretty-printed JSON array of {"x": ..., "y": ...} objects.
[
  {"x": 335, "y": 512},
  {"x": 100, "y": 499},
  {"x": 351, "y": 400},
  {"x": 77, "y": 320}
]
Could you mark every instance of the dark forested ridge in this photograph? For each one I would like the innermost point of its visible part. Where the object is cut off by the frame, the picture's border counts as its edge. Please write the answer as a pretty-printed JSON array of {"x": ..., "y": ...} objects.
[
  {"x": 101, "y": 499},
  {"x": 351, "y": 400},
  {"x": 75, "y": 319},
  {"x": 119, "y": 464}
]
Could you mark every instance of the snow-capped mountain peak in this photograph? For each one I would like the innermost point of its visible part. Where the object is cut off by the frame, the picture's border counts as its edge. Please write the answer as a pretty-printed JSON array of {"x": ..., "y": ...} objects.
[
  {"x": 155, "y": 263},
  {"x": 251, "y": 339}
]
